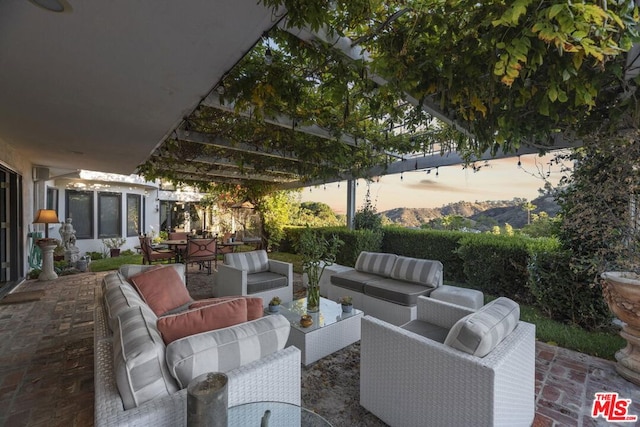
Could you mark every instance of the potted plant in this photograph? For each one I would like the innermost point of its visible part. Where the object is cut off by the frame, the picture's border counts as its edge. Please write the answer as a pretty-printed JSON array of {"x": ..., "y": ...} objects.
[
  {"x": 347, "y": 304},
  {"x": 58, "y": 252},
  {"x": 114, "y": 244},
  {"x": 317, "y": 252},
  {"x": 274, "y": 304}
]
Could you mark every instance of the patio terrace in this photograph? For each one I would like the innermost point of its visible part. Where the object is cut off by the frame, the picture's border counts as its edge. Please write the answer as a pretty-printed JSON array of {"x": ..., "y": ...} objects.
[{"x": 46, "y": 366}]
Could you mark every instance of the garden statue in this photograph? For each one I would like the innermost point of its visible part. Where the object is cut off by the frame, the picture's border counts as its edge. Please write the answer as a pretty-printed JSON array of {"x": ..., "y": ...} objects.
[{"x": 68, "y": 234}]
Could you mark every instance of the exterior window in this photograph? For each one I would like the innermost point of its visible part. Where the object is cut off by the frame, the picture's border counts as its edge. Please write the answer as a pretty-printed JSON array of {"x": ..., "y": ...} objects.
[
  {"x": 52, "y": 200},
  {"x": 134, "y": 225},
  {"x": 80, "y": 210},
  {"x": 109, "y": 215}
]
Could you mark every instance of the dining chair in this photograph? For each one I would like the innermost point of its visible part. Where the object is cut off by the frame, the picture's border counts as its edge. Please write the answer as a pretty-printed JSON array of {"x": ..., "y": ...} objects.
[
  {"x": 202, "y": 251},
  {"x": 151, "y": 255}
]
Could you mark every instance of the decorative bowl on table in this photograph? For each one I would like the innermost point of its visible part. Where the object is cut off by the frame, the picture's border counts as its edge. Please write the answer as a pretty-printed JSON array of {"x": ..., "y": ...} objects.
[{"x": 306, "y": 321}]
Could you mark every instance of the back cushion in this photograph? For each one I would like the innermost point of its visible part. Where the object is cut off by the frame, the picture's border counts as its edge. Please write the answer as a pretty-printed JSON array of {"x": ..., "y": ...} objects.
[
  {"x": 376, "y": 263},
  {"x": 226, "y": 349},
  {"x": 139, "y": 359},
  {"x": 210, "y": 317},
  {"x": 255, "y": 307},
  {"x": 162, "y": 289},
  {"x": 422, "y": 271},
  {"x": 120, "y": 298},
  {"x": 251, "y": 262},
  {"x": 128, "y": 270},
  {"x": 480, "y": 332}
]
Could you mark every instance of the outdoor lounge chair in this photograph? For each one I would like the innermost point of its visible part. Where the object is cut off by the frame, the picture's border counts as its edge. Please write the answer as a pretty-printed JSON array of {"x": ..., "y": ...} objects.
[
  {"x": 253, "y": 273},
  {"x": 433, "y": 371},
  {"x": 151, "y": 255}
]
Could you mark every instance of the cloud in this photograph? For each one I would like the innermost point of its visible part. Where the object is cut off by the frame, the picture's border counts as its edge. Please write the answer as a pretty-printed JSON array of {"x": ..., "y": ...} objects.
[{"x": 434, "y": 185}]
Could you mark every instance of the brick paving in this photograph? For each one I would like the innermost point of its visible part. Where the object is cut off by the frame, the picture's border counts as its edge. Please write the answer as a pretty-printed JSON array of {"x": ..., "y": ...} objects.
[{"x": 46, "y": 363}]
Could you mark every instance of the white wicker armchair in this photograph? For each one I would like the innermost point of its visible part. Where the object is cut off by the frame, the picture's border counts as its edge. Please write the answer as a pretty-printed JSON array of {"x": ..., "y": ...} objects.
[
  {"x": 407, "y": 379},
  {"x": 252, "y": 273}
]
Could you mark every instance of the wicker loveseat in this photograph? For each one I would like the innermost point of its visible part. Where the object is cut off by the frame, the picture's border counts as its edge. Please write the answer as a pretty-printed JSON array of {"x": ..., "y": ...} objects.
[
  {"x": 450, "y": 367},
  {"x": 139, "y": 380},
  {"x": 385, "y": 285}
]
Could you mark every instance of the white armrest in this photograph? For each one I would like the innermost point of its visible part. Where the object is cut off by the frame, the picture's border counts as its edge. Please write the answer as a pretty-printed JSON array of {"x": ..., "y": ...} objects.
[
  {"x": 230, "y": 281},
  {"x": 284, "y": 268},
  {"x": 440, "y": 313}
]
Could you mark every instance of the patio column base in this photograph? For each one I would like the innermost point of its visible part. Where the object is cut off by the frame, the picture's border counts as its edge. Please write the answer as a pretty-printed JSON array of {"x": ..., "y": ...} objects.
[{"x": 628, "y": 358}]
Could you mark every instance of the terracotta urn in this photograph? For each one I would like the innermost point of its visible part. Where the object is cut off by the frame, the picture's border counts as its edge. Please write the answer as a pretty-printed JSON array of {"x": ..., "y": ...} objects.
[{"x": 621, "y": 291}]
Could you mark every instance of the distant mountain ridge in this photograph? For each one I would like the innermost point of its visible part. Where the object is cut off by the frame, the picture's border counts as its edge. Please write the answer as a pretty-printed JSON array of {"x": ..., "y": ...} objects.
[{"x": 502, "y": 211}]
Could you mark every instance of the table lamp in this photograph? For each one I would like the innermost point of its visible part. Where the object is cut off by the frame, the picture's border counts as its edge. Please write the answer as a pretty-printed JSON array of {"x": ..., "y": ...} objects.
[{"x": 46, "y": 216}]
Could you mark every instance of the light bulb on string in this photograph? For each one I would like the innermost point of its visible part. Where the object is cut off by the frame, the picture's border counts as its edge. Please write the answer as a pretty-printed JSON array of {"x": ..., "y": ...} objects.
[
  {"x": 437, "y": 172},
  {"x": 401, "y": 177},
  {"x": 519, "y": 162}
]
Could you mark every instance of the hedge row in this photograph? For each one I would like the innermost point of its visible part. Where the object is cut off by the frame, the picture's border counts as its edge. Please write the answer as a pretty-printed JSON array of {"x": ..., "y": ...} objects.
[{"x": 530, "y": 271}]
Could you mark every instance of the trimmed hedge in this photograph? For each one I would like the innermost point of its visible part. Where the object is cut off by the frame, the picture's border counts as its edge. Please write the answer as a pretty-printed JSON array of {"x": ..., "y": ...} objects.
[
  {"x": 566, "y": 292},
  {"x": 497, "y": 265},
  {"x": 355, "y": 241},
  {"x": 427, "y": 244}
]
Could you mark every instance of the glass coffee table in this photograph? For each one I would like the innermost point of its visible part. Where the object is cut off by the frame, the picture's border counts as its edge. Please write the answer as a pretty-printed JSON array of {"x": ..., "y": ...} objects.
[
  {"x": 280, "y": 415},
  {"x": 331, "y": 330}
]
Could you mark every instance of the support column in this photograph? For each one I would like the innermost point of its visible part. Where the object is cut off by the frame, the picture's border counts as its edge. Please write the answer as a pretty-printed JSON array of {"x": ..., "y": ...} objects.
[{"x": 351, "y": 203}]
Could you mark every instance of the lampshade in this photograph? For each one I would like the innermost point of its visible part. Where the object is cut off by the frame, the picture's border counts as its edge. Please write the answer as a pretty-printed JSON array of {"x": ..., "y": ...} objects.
[{"x": 46, "y": 216}]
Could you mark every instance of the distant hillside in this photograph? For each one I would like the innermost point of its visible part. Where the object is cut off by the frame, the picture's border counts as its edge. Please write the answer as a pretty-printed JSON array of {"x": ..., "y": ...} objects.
[{"x": 502, "y": 211}]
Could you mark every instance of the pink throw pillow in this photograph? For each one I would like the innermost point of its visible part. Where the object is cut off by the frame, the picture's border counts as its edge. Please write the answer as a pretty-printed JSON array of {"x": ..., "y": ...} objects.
[
  {"x": 255, "y": 309},
  {"x": 162, "y": 289},
  {"x": 210, "y": 317}
]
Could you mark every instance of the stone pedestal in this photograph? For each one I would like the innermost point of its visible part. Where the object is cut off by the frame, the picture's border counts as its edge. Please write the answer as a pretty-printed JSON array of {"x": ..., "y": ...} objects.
[
  {"x": 47, "y": 247},
  {"x": 621, "y": 290}
]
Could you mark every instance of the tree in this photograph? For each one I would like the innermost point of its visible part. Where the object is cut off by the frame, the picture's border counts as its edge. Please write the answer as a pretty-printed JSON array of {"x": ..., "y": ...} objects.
[
  {"x": 316, "y": 214},
  {"x": 528, "y": 207},
  {"x": 367, "y": 218}
]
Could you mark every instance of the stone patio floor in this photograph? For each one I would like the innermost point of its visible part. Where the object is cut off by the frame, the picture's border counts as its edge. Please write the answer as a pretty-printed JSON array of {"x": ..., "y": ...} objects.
[{"x": 46, "y": 363}]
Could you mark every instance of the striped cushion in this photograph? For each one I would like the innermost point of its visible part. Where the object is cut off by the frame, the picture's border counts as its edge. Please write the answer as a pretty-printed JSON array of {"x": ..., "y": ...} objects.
[
  {"x": 422, "y": 271},
  {"x": 120, "y": 298},
  {"x": 128, "y": 270},
  {"x": 251, "y": 262},
  {"x": 478, "y": 333},
  {"x": 226, "y": 349},
  {"x": 139, "y": 359},
  {"x": 376, "y": 263}
]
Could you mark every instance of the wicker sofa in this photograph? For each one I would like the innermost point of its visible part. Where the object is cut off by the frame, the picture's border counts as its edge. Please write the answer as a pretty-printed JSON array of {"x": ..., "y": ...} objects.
[
  {"x": 385, "y": 285},
  {"x": 452, "y": 366},
  {"x": 140, "y": 381}
]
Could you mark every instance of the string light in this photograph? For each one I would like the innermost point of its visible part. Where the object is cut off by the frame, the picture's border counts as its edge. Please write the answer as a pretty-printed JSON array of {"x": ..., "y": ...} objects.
[
  {"x": 519, "y": 162},
  {"x": 401, "y": 177},
  {"x": 437, "y": 172}
]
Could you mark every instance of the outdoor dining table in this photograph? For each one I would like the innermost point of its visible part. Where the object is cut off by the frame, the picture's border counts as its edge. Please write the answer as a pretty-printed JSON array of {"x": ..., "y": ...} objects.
[{"x": 178, "y": 246}]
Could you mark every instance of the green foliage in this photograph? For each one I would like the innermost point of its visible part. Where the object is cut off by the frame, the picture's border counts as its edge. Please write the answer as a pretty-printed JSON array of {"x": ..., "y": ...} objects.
[
  {"x": 497, "y": 265},
  {"x": 355, "y": 241},
  {"x": 602, "y": 344},
  {"x": 367, "y": 218},
  {"x": 95, "y": 255},
  {"x": 108, "y": 264},
  {"x": 450, "y": 222},
  {"x": 275, "y": 211},
  {"x": 596, "y": 203},
  {"x": 565, "y": 291},
  {"x": 542, "y": 226},
  {"x": 316, "y": 214}
]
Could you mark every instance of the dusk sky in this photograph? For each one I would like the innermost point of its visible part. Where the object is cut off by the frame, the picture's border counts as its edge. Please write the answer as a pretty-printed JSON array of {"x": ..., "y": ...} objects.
[{"x": 497, "y": 180}]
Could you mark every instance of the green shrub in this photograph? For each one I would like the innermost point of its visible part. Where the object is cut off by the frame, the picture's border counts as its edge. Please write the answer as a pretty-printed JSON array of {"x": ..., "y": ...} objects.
[
  {"x": 355, "y": 241},
  {"x": 565, "y": 291},
  {"x": 497, "y": 264}
]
